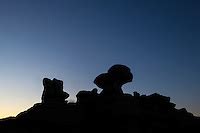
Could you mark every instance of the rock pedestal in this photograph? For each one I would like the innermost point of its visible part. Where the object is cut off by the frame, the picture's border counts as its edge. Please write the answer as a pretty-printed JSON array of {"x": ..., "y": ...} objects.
[{"x": 112, "y": 81}]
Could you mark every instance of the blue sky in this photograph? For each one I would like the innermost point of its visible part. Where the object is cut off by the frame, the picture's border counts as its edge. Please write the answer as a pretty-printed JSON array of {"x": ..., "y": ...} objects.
[{"x": 75, "y": 40}]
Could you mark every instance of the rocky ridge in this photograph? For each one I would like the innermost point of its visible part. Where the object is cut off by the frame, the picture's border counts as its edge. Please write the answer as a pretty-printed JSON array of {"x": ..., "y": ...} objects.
[{"x": 108, "y": 111}]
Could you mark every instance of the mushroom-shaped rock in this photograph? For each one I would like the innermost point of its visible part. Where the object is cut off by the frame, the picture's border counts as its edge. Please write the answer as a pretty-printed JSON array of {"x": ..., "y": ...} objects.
[
  {"x": 53, "y": 91},
  {"x": 112, "y": 81},
  {"x": 121, "y": 74},
  {"x": 104, "y": 80}
]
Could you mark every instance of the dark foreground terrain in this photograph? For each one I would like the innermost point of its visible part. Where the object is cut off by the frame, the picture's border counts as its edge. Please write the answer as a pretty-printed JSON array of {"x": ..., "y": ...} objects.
[{"x": 110, "y": 111}]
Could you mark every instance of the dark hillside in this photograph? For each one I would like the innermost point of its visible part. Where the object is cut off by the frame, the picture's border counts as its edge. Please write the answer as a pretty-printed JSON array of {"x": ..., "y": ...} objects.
[{"x": 109, "y": 111}]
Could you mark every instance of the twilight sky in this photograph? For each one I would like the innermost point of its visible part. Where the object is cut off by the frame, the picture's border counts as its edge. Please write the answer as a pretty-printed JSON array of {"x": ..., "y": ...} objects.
[{"x": 76, "y": 40}]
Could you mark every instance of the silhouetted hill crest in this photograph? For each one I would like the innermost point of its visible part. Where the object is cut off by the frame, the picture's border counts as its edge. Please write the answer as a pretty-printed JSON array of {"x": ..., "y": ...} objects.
[{"x": 108, "y": 111}]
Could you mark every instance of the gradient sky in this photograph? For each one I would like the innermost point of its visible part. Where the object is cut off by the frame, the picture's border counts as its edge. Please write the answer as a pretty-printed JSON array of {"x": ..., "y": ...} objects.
[{"x": 75, "y": 40}]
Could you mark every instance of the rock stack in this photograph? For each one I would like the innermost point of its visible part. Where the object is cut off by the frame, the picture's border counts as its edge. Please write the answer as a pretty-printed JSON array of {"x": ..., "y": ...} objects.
[{"x": 53, "y": 91}]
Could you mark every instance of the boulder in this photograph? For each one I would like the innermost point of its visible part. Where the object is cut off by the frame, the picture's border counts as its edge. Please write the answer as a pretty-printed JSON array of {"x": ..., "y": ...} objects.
[
  {"x": 53, "y": 91},
  {"x": 112, "y": 81}
]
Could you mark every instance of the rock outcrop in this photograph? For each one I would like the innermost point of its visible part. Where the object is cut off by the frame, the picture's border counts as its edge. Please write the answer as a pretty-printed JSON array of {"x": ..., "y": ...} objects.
[
  {"x": 53, "y": 91},
  {"x": 112, "y": 81},
  {"x": 109, "y": 111}
]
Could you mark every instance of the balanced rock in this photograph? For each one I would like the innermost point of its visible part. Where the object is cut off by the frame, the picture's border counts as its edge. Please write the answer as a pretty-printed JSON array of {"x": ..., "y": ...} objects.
[{"x": 112, "y": 81}]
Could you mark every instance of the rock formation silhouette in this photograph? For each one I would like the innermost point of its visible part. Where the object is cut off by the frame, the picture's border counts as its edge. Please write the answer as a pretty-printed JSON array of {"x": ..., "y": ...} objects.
[
  {"x": 112, "y": 81},
  {"x": 53, "y": 91},
  {"x": 109, "y": 111}
]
